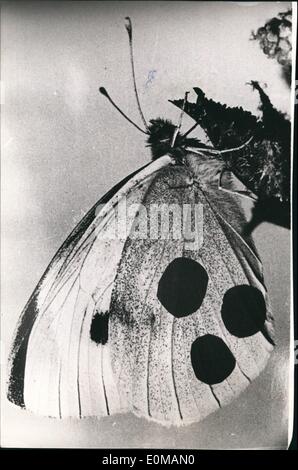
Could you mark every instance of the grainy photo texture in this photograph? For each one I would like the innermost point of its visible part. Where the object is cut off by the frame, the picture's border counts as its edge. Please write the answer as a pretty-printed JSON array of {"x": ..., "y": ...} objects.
[{"x": 164, "y": 318}]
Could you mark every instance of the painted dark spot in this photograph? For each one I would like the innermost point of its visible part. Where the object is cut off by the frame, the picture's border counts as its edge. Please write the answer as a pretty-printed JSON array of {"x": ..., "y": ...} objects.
[
  {"x": 211, "y": 359},
  {"x": 182, "y": 287},
  {"x": 243, "y": 311},
  {"x": 99, "y": 331}
]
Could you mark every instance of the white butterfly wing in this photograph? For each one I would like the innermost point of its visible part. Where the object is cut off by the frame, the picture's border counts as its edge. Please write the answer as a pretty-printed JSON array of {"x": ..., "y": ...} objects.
[
  {"x": 55, "y": 368},
  {"x": 148, "y": 324}
]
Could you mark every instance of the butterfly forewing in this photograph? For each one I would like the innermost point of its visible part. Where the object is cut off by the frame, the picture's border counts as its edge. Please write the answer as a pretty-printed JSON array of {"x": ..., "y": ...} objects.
[{"x": 62, "y": 304}]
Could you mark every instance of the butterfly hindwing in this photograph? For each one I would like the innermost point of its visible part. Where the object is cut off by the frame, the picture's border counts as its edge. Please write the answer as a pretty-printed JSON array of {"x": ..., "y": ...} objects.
[{"x": 176, "y": 364}]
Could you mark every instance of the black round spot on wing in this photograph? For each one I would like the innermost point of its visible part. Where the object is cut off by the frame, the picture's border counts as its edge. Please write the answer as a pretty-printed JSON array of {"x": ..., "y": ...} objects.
[
  {"x": 243, "y": 311},
  {"x": 99, "y": 331},
  {"x": 211, "y": 359},
  {"x": 182, "y": 287}
]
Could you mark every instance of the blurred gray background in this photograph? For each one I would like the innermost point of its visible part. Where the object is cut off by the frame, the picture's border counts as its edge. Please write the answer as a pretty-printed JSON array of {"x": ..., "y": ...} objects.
[{"x": 63, "y": 147}]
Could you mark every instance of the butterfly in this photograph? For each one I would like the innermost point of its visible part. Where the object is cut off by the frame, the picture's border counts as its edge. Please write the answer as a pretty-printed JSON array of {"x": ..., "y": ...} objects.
[{"x": 155, "y": 304}]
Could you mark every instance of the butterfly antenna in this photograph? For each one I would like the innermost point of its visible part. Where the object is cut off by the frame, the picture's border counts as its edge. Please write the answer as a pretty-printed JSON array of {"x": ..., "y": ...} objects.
[
  {"x": 180, "y": 120},
  {"x": 104, "y": 92},
  {"x": 128, "y": 27}
]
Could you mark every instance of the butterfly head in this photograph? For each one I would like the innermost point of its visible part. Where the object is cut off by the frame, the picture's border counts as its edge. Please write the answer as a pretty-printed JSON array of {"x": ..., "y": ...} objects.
[{"x": 161, "y": 142}]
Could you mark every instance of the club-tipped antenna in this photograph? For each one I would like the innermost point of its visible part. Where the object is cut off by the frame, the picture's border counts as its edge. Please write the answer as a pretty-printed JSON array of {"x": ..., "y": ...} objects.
[
  {"x": 128, "y": 27},
  {"x": 180, "y": 120},
  {"x": 104, "y": 92}
]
